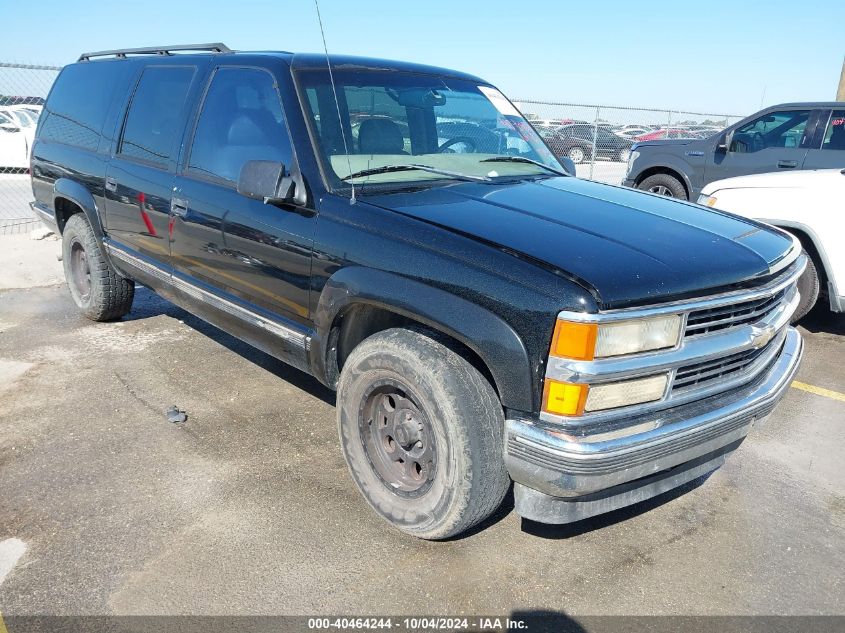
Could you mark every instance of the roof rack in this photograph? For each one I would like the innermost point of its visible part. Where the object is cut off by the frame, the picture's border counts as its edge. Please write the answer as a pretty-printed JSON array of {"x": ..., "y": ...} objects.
[{"x": 158, "y": 50}]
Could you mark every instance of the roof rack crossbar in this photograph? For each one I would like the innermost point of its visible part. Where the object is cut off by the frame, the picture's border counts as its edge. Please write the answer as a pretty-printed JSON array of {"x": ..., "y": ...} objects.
[{"x": 216, "y": 47}]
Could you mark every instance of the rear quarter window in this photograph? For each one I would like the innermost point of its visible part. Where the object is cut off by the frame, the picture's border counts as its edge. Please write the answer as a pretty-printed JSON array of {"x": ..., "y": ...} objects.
[
  {"x": 154, "y": 116},
  {"x": 79, "y": 102}
]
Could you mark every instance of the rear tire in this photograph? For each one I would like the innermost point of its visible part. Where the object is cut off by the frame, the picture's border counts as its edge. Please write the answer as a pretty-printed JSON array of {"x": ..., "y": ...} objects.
[
  {"x": 97, "y": 289},
  {"x": 422, "y": 433},
  {"x": 808, "y": 286},
  {"x": 664, "y": 185}
]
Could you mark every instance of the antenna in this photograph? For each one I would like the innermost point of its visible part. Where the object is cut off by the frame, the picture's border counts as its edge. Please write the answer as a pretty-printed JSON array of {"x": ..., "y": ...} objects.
[{"x": 336, "y": 100}]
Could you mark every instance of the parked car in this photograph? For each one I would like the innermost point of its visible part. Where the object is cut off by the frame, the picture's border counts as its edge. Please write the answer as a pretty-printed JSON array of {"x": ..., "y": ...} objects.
[
  {"x": 807, "y": 204},
  {"x": 575, "y": 141},
  {"x": 631, "y": 131},
  {"x": 14, "y": 150},
  {"x": 575, "y": 149},
  {"x": 785, "y": 137},
  {"x": 483, "y": 318}
]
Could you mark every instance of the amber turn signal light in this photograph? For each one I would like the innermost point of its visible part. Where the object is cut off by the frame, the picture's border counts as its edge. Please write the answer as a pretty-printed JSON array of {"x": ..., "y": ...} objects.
[
  {"x": 564, "y": 398},
  {"x": 574, "y": 340}
]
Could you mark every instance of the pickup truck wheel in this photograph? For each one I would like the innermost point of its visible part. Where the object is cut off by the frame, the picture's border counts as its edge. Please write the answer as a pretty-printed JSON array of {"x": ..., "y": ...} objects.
[
  {"x": 808, "y": 287},
  {"x": 664, "y": 185},
  {"x": 422, "y": 433},
  {"x": 98, "y": 291}
]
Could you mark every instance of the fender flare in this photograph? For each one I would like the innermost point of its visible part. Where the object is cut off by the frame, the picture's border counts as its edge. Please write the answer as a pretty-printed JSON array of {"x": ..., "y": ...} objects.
[
  {"x": 497, "y": 344},
  {"x": 81, "y": 197}
]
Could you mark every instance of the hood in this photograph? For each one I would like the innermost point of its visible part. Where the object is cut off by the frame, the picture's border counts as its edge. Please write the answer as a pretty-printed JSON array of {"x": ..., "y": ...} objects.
[
  {"x": 628, "y": 247},
  {"x": 666, "y": 141},
  {"x": 781, "y": 180}
]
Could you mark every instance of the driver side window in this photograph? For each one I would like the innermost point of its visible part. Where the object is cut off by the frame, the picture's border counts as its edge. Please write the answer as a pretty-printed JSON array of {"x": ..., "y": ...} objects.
[{"x": 776, "y": 129}]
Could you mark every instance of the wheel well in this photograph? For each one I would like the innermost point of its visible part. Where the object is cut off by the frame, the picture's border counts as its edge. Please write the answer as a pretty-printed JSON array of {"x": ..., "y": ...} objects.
[
  {"x": 359, "y": 321},
  {"x": 64, "y": 209},
  {"x": 653, "y": 171},
  {"x": 810, "y": 246}
]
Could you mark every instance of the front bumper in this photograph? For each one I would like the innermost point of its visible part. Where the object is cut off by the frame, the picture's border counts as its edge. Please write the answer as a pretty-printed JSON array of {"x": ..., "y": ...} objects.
[
  {"x": 629, "y": 182},
  {"x": 559, "y": 479}
]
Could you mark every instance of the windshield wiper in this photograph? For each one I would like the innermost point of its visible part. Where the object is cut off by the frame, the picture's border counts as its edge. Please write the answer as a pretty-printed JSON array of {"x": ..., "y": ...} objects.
[
  {"x": 412, "y": 167},
  {"x": 522, "y": 159}
]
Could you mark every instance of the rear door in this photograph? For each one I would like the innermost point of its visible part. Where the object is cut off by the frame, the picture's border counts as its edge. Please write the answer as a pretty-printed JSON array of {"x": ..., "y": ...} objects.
[
  {"x": 257, "y": 252},
  {"x": 774, "y": 141},
  {"x": 139, "y": 180},
  {"x": 828, "y": 149}
]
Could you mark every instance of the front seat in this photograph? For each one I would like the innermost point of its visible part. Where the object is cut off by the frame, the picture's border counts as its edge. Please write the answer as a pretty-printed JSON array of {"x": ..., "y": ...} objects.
[{"x": 380, "y": 136}]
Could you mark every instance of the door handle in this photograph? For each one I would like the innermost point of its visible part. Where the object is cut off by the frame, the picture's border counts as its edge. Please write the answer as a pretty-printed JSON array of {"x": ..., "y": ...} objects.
[
  {"x": 178, "y": 208},
  {"x": 111, "y": 184},
  {"x": 787, "y": 164}
]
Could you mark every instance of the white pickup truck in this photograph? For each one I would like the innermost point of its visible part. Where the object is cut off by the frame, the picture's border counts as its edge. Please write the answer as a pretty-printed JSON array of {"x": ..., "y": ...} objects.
[{"x": 808, "y": 204}]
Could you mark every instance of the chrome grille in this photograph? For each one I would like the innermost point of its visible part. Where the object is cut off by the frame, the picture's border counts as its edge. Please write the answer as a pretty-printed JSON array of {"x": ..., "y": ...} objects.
[
  {"x": 702, "y": 374},
  {"x": 722, "y": 317}
]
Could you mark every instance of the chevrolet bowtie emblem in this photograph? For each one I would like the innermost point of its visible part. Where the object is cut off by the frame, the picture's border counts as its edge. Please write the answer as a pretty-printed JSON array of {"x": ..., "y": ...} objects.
[{"x": 760, "y": 336}]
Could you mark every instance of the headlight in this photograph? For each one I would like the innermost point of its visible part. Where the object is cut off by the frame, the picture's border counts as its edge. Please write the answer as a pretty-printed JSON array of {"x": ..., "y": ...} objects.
[
  {"x": 707, "y": 201},
  {"x": 631, "y": 158},
  {"x": 587, "y": 341}
]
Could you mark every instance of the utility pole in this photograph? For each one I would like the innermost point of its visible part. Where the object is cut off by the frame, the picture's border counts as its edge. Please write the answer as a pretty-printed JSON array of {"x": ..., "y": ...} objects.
[{"x": 840, "y": 93}]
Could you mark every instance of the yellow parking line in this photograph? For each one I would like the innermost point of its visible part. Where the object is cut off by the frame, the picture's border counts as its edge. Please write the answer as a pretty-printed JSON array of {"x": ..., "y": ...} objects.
[
  {"x": 803, "y": 386},
  {"x": 3, "y": 628}
]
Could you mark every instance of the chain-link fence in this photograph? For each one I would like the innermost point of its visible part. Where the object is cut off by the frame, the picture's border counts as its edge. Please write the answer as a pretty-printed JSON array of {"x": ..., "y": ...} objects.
[
  {"x": 598, "y": 138},
  {"x": 23, "y": 89}
]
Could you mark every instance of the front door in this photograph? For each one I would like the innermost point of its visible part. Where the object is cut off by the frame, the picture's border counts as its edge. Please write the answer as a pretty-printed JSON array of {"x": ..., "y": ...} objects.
[
  {"x": 256, "y": 253},
  {"x": 775, "y": 141},
  {"x": 139, "y": 178}
]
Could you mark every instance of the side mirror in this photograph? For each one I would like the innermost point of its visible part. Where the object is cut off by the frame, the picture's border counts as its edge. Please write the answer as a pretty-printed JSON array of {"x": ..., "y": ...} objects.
[
  {"x": 568, "y": 164},
  {"x": 725, "y": 140},
  {"x": 265, "y": 180}
]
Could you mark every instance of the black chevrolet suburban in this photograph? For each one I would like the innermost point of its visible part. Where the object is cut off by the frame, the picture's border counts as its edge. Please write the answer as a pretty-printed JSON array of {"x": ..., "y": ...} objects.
[{"x": 402, "y": 233}]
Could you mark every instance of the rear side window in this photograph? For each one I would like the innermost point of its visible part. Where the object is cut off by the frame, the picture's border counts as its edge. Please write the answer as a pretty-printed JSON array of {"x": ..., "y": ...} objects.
[
  {"x": 80, "y": 99},
  {"x": 834, "y": 136},
  {"x": 152, "y": 122},
  {"x": 241, "y": 120}
]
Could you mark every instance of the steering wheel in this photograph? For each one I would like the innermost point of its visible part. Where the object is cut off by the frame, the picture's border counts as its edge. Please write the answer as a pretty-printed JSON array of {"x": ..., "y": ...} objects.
[{"x": 445, "y": 147}]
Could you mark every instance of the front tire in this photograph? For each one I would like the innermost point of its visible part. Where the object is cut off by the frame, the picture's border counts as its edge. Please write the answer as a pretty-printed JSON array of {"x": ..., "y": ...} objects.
[
  {"x": 422, "y": 433},
  {"x": 664, "y": 185},
  {"x": 576, "y": 155},
  {"x": 808, "y": 287},
  {"x": 98, "y": 291}
]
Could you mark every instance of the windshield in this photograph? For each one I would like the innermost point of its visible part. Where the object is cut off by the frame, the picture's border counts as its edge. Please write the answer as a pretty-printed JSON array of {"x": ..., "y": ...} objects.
[{"x": 399, "y": 118}]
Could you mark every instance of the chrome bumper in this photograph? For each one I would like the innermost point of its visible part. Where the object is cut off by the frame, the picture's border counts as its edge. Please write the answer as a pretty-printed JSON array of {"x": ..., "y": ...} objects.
[{"x": 559, "y": 479}]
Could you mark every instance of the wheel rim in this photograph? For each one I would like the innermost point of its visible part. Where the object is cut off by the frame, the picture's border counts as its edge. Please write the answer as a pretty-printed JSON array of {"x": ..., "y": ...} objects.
[
  {"x": 661, "y": 190},
  {"x": 397, "y": 438},
  {"x": 80, "y": 270},
  {"x": 576, "y": 154}
]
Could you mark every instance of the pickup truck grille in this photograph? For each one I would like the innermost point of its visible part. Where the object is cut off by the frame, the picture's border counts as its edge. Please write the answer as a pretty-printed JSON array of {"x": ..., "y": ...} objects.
[
  {"x": 705, "y": 373},
  {"x": 723, "y": 317}
]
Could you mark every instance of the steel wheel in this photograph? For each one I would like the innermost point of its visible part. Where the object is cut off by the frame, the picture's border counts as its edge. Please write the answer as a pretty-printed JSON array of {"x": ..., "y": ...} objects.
[
  {"x": 397, "y": 439},
  {"x": 80, "y": 270},
  {"x": 576, "y": 154},
  {"x": 661, "y": 190}
]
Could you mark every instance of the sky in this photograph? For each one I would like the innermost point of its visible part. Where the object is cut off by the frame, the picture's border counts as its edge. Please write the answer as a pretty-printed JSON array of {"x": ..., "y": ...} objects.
[{"x": 726, "y": 57}]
